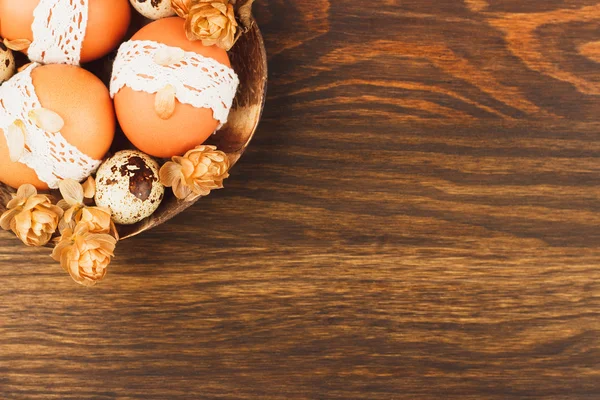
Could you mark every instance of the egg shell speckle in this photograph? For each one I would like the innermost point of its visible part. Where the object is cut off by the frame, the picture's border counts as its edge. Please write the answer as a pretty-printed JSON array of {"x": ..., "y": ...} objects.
[
  {"x": 7, "y": 63},
  {"x": 128, "y": 183},
  {"x": 153, "y": 9}
]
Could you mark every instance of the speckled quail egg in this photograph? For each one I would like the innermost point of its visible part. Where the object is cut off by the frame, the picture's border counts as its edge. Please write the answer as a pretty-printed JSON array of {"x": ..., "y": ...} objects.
[
  {"x": 128, "y": 183},
  {"x": 153, "y": 9},
  {"x": 7, "y": 63}
]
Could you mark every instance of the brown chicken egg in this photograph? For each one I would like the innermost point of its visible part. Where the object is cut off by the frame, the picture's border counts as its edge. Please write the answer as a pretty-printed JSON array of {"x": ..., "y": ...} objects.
[
  {"x": 107, "y": 24},
  {"x": 83, "y": 104},
  {"x": 187, "y": 126}
]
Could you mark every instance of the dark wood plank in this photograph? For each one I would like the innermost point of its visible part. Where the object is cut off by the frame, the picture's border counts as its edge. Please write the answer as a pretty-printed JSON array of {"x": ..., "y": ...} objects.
[{"x": 417, "y": 218}]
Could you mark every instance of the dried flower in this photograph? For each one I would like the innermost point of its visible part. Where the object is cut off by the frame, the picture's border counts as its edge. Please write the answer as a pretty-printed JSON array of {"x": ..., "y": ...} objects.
[
  {"x": 84, "y": 254},
  {"x": 31, "y": 216},
  {"x": 181, "y": 7},
  {"x": 196, "y": 173},
  {"x": 212, "y": 22},
  {"x": 89, "y": 235},
  {"x": 74, "y": 195},
  {"x": 98, "y": 219}
]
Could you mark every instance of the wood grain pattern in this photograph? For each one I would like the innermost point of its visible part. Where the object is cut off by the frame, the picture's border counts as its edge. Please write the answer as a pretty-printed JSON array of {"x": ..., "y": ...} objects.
[{"x": 417, "y": 218}]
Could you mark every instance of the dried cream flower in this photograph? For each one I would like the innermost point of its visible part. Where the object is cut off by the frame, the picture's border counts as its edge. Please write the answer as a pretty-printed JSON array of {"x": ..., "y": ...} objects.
[
  {"x": 31, "y": 216},
  {"x": 196, "y": 173},
  {"x": 89, "y": 235},
  {"x": 212, "y": 22},
  {"x": 98, "y": 219},
  {"x": 85, "y": 255},
  {"x": 74, "y": 195},
  {"x": 181, "y": 7}
]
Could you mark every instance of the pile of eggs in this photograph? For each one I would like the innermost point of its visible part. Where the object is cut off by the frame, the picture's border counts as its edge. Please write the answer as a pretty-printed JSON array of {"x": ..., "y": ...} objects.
[{"x": 74, "y": 112}]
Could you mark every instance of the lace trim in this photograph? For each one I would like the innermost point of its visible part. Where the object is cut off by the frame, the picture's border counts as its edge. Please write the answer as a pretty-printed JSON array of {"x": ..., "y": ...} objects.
[
  {"x": 198, "y": 80},
  {"x": 58, "y": 31}
]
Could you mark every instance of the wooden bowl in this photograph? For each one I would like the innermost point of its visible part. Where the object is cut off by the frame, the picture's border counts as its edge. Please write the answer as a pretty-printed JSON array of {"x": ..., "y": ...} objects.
[{"x": 249, "y": 60}]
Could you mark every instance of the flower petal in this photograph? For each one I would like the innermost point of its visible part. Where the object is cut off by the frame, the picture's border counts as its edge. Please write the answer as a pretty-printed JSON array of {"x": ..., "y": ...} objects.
[
  {"x": 25, "y": 191},
  {"x": 7, "y": 218},
  {"x": 34, "y": 201},
  {"x": 47, "y": 120},
  {"x": 187, "y": 167},
  {"x": 199, "y": 171},
  {"x": 219, "y": 6},
  {"x": 63, "y": 204},
  {"x": 71, "y": 191},
  {"x": 58, "y": 249},
  {"x": 22, "y": 223},
  {"x": 164, "y": 104},
  {"x": 15, "y": 141},
  {"x": 180, "y": 190},
  {"x": 17, "y": 44},
  {"x": 43, "y": 218},
  {"x": 89, "y": 188},
  {"x": 68, "y": 215},
  {"x": 166, "y": 56},
  {"x": 169, "y": 173},
  {"x": 181, "y": 7}
]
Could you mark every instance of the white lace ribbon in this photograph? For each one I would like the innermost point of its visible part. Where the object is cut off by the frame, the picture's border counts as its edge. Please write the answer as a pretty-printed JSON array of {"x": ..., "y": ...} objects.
[
  {"x": 199, "y": 81},
  {"x": 48, "y": 154},
  {"x": 58, "y": 31}
]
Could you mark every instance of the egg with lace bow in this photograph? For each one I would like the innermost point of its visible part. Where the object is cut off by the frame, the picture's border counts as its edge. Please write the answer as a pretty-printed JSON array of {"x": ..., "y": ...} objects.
[
  {"x": 64, "y": 31},
  {"x": 56, "y": 122},
  {"x": 171, "y": 93}
]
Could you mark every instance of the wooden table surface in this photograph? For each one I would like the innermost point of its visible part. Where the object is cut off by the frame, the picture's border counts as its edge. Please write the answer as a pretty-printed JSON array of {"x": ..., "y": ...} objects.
[{"x": 418, "y": 217}]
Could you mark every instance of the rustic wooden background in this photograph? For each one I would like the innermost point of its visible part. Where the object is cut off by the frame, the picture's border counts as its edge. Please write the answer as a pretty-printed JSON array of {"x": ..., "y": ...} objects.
[{"x": 417, "y": 218}]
